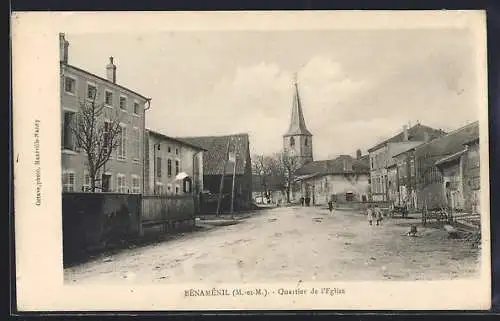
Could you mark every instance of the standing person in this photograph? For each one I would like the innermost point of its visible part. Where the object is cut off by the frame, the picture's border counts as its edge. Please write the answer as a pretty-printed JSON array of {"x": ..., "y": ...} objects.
[
  {"x": 369, "y": 215},
  {"x": 302, "y": 201},
  {"x": 378, "y": 215},
  {"x": 330, "y": 206}
]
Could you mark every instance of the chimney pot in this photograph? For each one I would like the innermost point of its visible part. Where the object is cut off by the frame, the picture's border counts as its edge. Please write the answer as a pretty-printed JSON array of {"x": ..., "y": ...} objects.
[
  {"x": 111, "y": 71},
  {"x": 405, "y": 133}
]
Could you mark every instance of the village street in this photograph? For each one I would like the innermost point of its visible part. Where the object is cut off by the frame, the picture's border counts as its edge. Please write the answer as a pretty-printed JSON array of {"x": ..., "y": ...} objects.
[{"x": 289, "y": 243}]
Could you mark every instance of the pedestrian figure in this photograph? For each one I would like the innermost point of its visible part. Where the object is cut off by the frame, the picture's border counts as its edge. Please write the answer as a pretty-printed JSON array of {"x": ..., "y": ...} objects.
[
  {"x": 369, "y": 215},
  {"x": 330, "y": 206},
  {"x": 302, "y": 201},
  {"x": 308, "y": 200},
  {"x": 378, "y": 215}
]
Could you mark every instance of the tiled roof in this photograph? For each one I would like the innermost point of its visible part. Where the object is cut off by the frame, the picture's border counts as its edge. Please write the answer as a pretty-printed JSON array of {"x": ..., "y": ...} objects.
[
  {"x": 449, "y": 144},
  {"x": 165, "y": 137},
  {"x": 105, "y": 80},
  {"x": 415, "y": 133},
  {"x": 335, "y": 166},
  {"x": 216, "y": 148}
]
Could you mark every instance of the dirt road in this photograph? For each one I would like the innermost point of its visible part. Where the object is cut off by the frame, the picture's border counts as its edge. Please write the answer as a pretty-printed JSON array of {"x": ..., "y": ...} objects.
[{"x": 284, "y": 244}]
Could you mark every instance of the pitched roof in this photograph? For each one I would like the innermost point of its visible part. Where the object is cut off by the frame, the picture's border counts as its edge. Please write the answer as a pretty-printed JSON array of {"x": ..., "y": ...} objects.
[
  {"x": 162, "y": 136},
  {"x": 216, "y": 152},
  {"x": 451, "y": 143},
  {"x": 335, "y": 166},
  {"x": 415, "y": 133},
  {"x": 106, "y": 81},
  {"x": 297, "y": 122}
]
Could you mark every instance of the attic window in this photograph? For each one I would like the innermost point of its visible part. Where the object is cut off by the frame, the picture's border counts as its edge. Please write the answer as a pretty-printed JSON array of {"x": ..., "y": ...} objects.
[{"x": 292, "y": 142}]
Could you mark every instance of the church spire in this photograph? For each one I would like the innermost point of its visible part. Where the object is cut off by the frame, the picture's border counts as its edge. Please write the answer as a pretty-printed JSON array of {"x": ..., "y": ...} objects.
[{"x": 297, "y": 122}]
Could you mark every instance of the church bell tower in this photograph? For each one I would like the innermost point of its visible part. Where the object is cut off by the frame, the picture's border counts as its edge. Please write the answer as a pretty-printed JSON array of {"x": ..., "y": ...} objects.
[{"x": 298, "y": 139}]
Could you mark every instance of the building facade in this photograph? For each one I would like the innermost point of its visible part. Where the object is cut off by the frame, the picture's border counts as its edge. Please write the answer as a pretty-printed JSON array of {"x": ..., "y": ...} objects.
[
  {"x": 381, "y": 156},
  {"x": 405, "y": 182},
  {"x": 123, "y": 173},
  {"x": 171, "y": 166},
  {"x": 223, "y": 157},
  {"x": 343, "y": 179},
  {"x": 437, "y": 166}
]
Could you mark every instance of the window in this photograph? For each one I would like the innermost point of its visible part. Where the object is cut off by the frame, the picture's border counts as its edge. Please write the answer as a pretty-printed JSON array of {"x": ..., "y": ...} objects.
[
  {"x": 176, "y": 190},
  {"x": 136, "y": 108},
  {"x": 86, "y": 181},
  {"x": 123, "y": 102},
  {"x": 177, "y": 167},
  {"x": 137, "y": 143},
  {"x": 169, "y": 149},
  {"x": 158, "y": 166},
  {"x": 371, "y": 161},
  {"x": 292, "y": 142},
  {"x": 177, "y": 151},
  {"x": 105, "y": 143},
  {"x": 349, "y": 197},
  {"x": 136, "y": 185},
  {"x": 106, "y": 182},
  {"x": 91, "y": 91},
  {"x": 475, "y": 182},
  {"x": 305, "y": 141},
  {"x": 412, "y": 168},
  {"x": 69, "y": 85},
  {"x": 160, "y": 188},
  {"x": 169, "y": 188},
  {"x": 68, "y": 181},
  {"x": 169, "y": 167},
  {"x": 121, "y": 183},
  {"x": 68, "y": 137},
  {"x": 122, "y": 142},
  {"x": 108, "y": 98}
]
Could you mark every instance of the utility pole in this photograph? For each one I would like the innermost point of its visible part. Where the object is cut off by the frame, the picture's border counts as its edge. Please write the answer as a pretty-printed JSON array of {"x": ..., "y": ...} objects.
[
  {"x": 236, "y": 150},
  {"x": 221, "y": 186}
]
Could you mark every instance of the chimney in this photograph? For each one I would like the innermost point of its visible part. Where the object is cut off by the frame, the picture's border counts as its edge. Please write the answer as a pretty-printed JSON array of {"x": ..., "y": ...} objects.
[
  {"x": 405, "y": 133},
  {"x": 63, "y": 48},
  {"x": 111, "y": 70},
  {"x": 358, "y": 154}
]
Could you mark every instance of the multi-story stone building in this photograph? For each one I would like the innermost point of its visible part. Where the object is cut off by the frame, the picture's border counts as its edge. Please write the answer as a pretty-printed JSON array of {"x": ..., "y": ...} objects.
[
  {"x": 123, "y": 172},
  {"x": 171, "y": 166},
  {"x": 381, "y": 156}
]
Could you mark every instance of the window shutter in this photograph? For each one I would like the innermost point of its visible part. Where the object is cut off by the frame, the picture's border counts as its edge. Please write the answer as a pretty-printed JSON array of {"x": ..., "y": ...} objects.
[{"x": 158, "y": 166}]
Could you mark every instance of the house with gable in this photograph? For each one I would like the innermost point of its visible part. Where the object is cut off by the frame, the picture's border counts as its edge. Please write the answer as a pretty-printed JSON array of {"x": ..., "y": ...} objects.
[
  {"x": 223, "y": 156},
  {"x": 345, "y": 179},
  {"x": 441, "y": 165},
  {"x": 381, "y": 156}
]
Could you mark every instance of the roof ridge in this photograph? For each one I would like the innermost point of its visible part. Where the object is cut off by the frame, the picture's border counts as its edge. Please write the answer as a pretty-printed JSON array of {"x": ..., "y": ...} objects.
[{"x": 449, "y": 134}]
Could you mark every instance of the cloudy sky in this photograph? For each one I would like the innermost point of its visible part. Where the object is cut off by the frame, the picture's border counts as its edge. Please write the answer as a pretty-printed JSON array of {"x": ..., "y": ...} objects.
[{"x": 357, "y": 86}]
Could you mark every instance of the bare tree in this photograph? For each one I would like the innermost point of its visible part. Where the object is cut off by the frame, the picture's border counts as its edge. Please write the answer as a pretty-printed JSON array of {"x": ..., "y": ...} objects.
[
  {"x": 97, "y": 132},
  {"x": 289, "y": 166},
  {"x": 264, "y": 167}
]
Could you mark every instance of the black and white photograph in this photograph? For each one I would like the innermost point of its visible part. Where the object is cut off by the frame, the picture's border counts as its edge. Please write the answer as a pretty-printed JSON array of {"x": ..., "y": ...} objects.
[{"x": 261, "y": 167}]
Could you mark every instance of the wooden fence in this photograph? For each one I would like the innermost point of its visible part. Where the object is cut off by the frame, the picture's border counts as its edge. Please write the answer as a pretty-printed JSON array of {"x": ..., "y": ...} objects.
[{"x": 167, "y": 209}]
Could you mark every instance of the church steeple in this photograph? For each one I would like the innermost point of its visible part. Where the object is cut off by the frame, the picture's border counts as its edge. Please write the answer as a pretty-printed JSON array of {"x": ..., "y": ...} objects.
[
  {"x": 297, "y": 122},
  {"x": 297, "y": 141}
]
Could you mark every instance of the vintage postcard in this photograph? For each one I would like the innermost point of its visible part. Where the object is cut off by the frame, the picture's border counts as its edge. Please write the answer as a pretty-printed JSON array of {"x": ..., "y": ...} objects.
[{"x": 251, "y": 160}]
